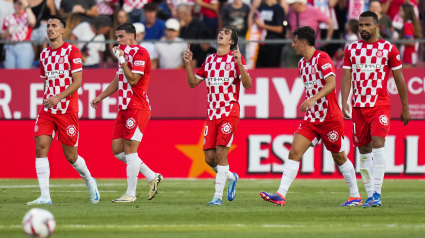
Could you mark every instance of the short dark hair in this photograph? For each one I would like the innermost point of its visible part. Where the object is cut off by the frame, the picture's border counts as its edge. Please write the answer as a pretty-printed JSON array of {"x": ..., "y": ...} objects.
[
  {"x": 61, "y": 20},
  {"x": 307, "y": 34},
  {"x": 150, "y": 7},
  {"x": 234, "y": 36},
  {"x": 101, "y": 22},
  {"x": 128, "y": 28},
  {"x": 370, "y": 14}
]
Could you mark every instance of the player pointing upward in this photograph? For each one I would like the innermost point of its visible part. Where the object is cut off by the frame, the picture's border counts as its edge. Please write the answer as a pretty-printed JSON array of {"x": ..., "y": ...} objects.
[
  {"x": 367, "y": 64},
  {"x": 223, "y": 73}
]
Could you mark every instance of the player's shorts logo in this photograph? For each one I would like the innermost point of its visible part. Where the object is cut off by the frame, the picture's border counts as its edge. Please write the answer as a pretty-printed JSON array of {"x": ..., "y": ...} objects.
[
  {"x": 130, "y": 123},
  {"x": 227, "y": 67},
  {"x": 61, "y": 60},
  {"x": 356, "y": 139},
  {"x": 36, "y": 128},
  {"x": 379, "y": 53},
  {"x": 226, "y": 128},
  {"x": 383, "y": 119},
  {"x": 333, "y": 136},
  {"x": 71, "y": 130}
]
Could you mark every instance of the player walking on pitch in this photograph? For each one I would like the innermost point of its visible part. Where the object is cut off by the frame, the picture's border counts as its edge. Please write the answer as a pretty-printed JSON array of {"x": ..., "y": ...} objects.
[
  {"x": 223, "y": 73},
  {"x": 323, "y": 118},
  {"x": 61, "y": 69},
  {"x": 367, "y": 64},
  {"x": 131, "y": 81}
]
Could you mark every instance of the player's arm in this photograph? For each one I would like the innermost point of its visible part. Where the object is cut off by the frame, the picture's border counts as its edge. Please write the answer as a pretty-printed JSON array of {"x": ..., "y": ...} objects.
[
  {"x": 328, "y": 88},
  {"x": 132, "y": 78},
  {"x": 245, "y": 78},
  {"x": 345, "y": 91},
  {"x": 191, "y": 78},
  {"x": 112, "y": 88},
  {"x": 77, "y": 78},
  {"x": 402, "y": 92}
]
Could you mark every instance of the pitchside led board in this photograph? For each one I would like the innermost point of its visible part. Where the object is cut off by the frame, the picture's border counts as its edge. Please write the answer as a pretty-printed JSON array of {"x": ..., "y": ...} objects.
[{"x": 172, "y": 142}]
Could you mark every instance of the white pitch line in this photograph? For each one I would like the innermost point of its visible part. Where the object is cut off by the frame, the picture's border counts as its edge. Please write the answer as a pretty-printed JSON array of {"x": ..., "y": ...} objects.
[
  {"x": 61, "y": 185},
  {"x": 75, "y": 191}
]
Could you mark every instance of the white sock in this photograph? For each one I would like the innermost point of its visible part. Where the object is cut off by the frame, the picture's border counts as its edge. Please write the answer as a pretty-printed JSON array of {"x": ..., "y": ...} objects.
[
  {"x": 290, "y": 171},
  {"x": 347, "y": 170},
  {"x": 378, "y": 167},
  {"x": 43, "y": 174},
  {"x": 121, "y": 156},
  {"x": 366, "y": 170},
  {"x": 146, "y": 171},
  {"x": 81, "y": 167},
  {"x": 220, "y": 180},
  {"x": 133, "y": 165},
  {"x": 230, "y": 175}
]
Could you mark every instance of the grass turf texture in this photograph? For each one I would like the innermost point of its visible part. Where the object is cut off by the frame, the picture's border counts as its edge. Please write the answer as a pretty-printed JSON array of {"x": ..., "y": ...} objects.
[{"x": 180, "y": 210}]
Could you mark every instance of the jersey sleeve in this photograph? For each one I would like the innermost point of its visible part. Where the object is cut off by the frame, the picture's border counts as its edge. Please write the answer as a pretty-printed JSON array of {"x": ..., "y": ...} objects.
[
  {"x": 347, "y": 61},
  {"x": 139, "y": 62},
  {"x": 394, "y": 58},
  {"x": 409, "y": 30},
  {"x": 244, "y": 66},
  {"x": 326, "y": 66},
  {"x": 201, "y": 71},
  {"x": 75, "y": 60}
]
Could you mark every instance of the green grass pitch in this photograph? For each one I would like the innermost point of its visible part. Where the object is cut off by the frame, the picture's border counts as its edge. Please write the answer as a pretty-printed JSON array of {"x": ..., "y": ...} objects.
[{"x": 180, "y": 210}]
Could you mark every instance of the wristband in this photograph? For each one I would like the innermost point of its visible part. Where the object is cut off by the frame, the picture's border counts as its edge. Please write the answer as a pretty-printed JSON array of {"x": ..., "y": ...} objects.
[{"x": 121, "y": 59}]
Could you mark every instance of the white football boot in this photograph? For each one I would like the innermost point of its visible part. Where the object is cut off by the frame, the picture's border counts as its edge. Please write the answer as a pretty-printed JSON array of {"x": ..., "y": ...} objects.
[
  {"x": 153, "y": 185},
  {"x": 125, "y": 198},
  {"x": 94, "y": 192},
  {"x": 41, "y": 201}
]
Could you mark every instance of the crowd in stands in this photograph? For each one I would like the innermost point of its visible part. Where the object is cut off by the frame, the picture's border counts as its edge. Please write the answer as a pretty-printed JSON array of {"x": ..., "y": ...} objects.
[{"x": 173, "y": 24}]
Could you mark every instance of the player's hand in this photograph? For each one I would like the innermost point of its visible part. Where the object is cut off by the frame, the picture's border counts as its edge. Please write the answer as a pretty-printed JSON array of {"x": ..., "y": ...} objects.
[
  {"x": 117, "y": 52},
  {"x": 95, "y": 102},
  {"x": 405, "y": 116},
  {"x": 307, "y": 104},
  {"x": 51, "y": 102},
  {"x": 187, "y": 57},
  {"x": 346, "y": 111},
  {"x": 78, "y": 9},
  {"x": 237, "y": 56}
]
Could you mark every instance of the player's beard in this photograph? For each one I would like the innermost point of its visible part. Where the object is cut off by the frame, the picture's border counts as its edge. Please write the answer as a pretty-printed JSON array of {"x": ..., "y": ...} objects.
[{"x": 367, "y": 36}]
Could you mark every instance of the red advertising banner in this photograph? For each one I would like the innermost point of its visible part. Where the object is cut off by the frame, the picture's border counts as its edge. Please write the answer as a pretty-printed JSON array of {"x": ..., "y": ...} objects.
[
  {"x": 174, "y": 148},
  {"x": 275, "y": 93}
]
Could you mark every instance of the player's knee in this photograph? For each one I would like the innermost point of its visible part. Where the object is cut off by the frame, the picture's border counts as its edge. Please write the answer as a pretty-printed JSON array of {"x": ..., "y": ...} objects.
[
  {"x": 294, "y": 155},
  {"x": 40, "y": 147},
  {"x": 378, "y": 143}
]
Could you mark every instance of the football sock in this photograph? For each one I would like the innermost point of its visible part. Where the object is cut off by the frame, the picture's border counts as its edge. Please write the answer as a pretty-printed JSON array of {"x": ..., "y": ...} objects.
[
  {"x": 133, "y": 165},
  {"x": 230, "y": 175},
  {"x": 43, "y": 174},
  {"x": 220, "y": 180},
  {"x": 146, "y": 171},
  {"x": 366, "y": 170},
  {"x": 347, "y": 170},
  {"x": 378, "y": 168},
  {"x": 81, "y": 167},
  {"x": 121, "y": 156},
  {"x": 290, "y": 171}
]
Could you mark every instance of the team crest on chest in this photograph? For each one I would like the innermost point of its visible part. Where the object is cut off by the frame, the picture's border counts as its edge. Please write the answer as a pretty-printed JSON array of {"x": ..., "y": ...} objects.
[
  {"x": 126, "y": 57},
  {"x": 333, "y": 136},
  {"x": 130, "y": 123},
  {"x": 71, "y": 130},
  {"x": 61, "y": 60},
  {"x": 313, "y": 70},
  {"x": 383, "y": 119},
  {"x": 379, "y": 53},
  {"x": 227, "y": 66}
]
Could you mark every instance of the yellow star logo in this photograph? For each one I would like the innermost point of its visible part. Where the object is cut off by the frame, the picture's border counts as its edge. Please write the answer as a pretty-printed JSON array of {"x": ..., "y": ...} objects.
[{"x": 196, "y": 154}]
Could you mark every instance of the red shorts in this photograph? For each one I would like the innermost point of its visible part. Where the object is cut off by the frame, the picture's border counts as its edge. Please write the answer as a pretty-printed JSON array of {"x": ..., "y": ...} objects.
[
  {"x": 130, "y": 124},
  {"x": 331, "y": 133},
  {"x": 64, "y": 126},
  {"x": 368, "y": 122},
  {"x": 220, "y": 132}
]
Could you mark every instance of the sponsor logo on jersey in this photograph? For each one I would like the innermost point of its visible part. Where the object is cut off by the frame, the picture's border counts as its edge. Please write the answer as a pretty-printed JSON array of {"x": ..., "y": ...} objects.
[
  {"x": 71, "y": 130},
  {"x": 333, "y": 136},
  {"x": 77, "y": 61},
  {"x": 55, "y": 72},
  {"x": 398, "y": 57},
  {"x": 130, "y": 123},
  {"x": 369, "y": 67},
  {"x": 310, "y": 84},
  {"x": 61, "y": 60},
  {"x": 326, "y": 66},
  {"x": 227, "y": 66},
  {"x": 226, "y": 128},
  {"x": 383, "y": 119},
  {"x": 379, "y": 53},
  {"x": 139, "y": 63},
  {"x": 219, "y": 79}
]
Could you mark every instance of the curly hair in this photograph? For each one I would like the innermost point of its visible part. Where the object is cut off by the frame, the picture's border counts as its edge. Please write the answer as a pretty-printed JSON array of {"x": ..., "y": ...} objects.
[{"x": 305, "y": 33}]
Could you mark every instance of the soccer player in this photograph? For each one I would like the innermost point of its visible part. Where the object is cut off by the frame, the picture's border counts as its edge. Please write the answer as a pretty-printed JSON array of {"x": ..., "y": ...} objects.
[
  {"x": 323, "y": 118},
  {"x": 367, "y": 64},
  {"x": 61, "y": 69},
  {"x": 223, "y": 73},
  {"x": 131, "y": 81}
]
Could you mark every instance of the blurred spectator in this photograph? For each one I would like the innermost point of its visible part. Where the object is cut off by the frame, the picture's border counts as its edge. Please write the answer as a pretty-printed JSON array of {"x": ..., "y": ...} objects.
[
  {"x": 174, "y": 4},
  {"x": 397, "y": 20},
  {"x": 300, "y": 14},
  {"x": 352, "y": 31},
  {"x": 87, "y": 9},
  {"x": 120, "y": 17},
  {"x": 71, "y": 22},
  {"x": 209, "y": 11},
  {"x": 18, "y": 27},
  {"x": 135, "y": 9},
  {"x": 385, "y": 25},
  {"x": 149, "y": 46},
  {"x": 6, "y": 8},
  {"x": 93, "y": 31},
  {"x": 271, "y": 19},
  {"x": 201, "y": 51},
  {"x": 154, "y": 27},
  {"x": 172, "y": 49},
  {"x": 42, "y": 9},
  {"x": 107, "y": 7},
  {"x": 163, "y": 11},
  {"x": 191, "y": 28},
  {"x": 256, "y": 4},
  {"x": 236, "y": 16},
  {"x": 411, "y": 30}
]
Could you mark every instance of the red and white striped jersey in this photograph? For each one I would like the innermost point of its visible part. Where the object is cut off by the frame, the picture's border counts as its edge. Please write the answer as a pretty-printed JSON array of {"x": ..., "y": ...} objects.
[
  {"x": 103, "y": 7},
  {"x": 134, "y": 97},
  {"x": 129, "y": 5},
  {"x": 223, "y": 79},
  {"x": 176, "y": 3},
  {"x": 370, "y": 65},
  {"x": 19, "y": 27},
  {"x": 313, "y": 74},
  {"x": 57, "y": 67}
]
